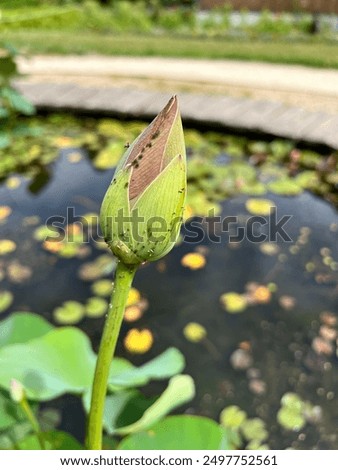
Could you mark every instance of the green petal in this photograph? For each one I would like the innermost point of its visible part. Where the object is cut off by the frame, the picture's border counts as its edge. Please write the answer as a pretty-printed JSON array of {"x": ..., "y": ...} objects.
[{"x": 161, "y": 206}]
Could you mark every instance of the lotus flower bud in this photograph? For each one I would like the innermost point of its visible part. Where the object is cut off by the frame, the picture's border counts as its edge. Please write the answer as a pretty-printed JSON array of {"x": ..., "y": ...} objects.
[
  {"x": 16, "y": 391},
  {"x": 142, "y": 211}
]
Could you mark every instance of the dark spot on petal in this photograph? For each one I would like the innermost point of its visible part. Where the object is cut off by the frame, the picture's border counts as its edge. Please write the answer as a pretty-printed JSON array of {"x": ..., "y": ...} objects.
[{"x": 155, "y": 134}]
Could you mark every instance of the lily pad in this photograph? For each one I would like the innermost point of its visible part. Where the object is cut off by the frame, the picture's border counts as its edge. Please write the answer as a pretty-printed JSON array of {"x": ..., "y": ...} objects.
[
  {"x": 70, "y": 313},
  {"x": 254, "y": 429},
  {"x": 233, "y": 302},
  {"x": 292, "y": 413},
  {"x": 109, "y": 156},
  {"x": 193, "y": 261},
  {"x": 288, "y": 418},
  {"x": 96, "y": 307},
  {"x": 260, "y": 206},
  {"x": 44, "y": 231},
  {"x": 7, "y": 246},
  {"x": 102, "y": 266},
  {"x": 6, "y": 300},
  {"x": 232, "y": 417},
  {"x": 194, "y": 332},
  {"x": 285, "y": 187}
]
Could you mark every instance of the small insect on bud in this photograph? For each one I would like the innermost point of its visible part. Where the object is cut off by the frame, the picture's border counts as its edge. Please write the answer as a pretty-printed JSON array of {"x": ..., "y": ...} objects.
[
  {"x": 142, "y": 211},
  {"x": 16, "y": 391}
]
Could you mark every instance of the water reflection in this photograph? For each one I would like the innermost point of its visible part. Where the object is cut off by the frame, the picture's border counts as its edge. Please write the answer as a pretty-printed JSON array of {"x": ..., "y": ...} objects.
[{"x": 250, "y": 358}]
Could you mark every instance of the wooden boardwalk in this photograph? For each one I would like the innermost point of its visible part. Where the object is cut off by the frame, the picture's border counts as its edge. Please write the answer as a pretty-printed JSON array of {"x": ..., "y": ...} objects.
[{"x": 238, "y": 114}]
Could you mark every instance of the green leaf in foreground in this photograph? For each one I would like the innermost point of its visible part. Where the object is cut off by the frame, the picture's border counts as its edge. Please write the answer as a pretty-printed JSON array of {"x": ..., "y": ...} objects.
[
  {"x": 180, "y": 390},
  {"x": 125, "y": 375},
  {"x": 21, "y": 327},
  {"x": 10, "y": 413},
  {"x": 59, "y": 362},
  {"x": 50, "y": 362},
  {"x": 178, "y": 433},
  {"x": 54, "y": 440}
]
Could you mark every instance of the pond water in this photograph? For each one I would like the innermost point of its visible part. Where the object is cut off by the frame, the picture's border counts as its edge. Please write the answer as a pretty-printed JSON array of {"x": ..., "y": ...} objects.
[{"x": 275, "y": 333}]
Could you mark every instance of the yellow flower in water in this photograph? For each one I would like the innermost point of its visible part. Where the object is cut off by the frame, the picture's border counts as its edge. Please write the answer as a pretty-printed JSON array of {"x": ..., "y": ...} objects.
[
  {"x": 7, "y": 246},
  {"x": 134, "y": 296},
  {"x": 259, "y": 206},
  {"x": 133, "y": 313},
  {"x": 194, "y": 332},
  {"x": 53, "y": 246},
  {"x": 233, "y": 302},
  {"x": 5, "y": 211},
  {"x": 63, "y": 142},
  {"x": 262, "y": 295},
  {"x": 138, "y": 341},
  {"x": 74, "y": 229},
  {"x": 193, "y": 261},
  {"x": 13, "y": 182}
]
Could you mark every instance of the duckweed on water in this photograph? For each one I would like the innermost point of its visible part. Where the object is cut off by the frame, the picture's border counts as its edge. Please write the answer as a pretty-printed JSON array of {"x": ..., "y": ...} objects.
[
  {"x": 7, "y": 246},
  {"x": 6, "y": 300},
  {"x": 218, "y": 164},
  {"x": 194, "y": 332},
  {"x": 193, "y": 261},
  {"x": 220, "y": 167},
  {"x": 102, "y": 288}
]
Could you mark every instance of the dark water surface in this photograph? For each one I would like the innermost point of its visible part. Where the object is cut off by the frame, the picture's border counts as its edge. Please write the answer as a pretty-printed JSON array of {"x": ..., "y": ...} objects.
[{"x": 276, "y": 337}]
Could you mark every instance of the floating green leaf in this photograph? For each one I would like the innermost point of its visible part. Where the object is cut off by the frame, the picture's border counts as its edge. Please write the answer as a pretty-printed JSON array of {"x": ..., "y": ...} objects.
[
  {"x": 232, "y": 417},
  {"x": 292, "y": 412},
  {"x": 254, "y": 429},
  {"x": 6, "y": 300},
  {"x": 69, "y": 313},
  {"x": 285, "y": 187},
  {"x": 260, "y": 206},
  {"x": 290, "y": 419},
  {"x": 7, "y": 246},
  {"x": 102, "y": 288},
  {"x": 233, "y": 302},
  {"x": 96, "y": 307}
]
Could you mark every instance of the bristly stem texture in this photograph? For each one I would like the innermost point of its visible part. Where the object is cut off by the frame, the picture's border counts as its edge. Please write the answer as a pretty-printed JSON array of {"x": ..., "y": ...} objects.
[{"x": 123, "y": 279}]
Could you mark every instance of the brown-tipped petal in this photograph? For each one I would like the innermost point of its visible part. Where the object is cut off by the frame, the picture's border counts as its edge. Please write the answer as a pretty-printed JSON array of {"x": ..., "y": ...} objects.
[{"x": 147, "y": 155}]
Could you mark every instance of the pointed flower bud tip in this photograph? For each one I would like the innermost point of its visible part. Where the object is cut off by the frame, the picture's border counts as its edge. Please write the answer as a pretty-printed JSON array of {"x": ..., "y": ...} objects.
[{"x": 142, "y": 211}]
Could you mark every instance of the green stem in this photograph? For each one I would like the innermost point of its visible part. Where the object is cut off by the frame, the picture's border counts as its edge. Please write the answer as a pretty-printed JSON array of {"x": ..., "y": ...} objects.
[
  {"x": 33, "y": 421},
  {"x": 123, "y": 279}
]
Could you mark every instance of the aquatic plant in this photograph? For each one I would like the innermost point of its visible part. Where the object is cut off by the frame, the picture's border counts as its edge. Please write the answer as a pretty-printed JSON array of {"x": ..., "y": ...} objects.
[{"x": 148, "y": 188}]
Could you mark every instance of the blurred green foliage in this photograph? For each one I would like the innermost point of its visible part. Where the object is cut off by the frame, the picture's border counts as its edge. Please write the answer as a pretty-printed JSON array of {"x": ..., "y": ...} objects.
[
  {"x": 156, "y": 16},
  {"x": 12, "y": 103}
]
